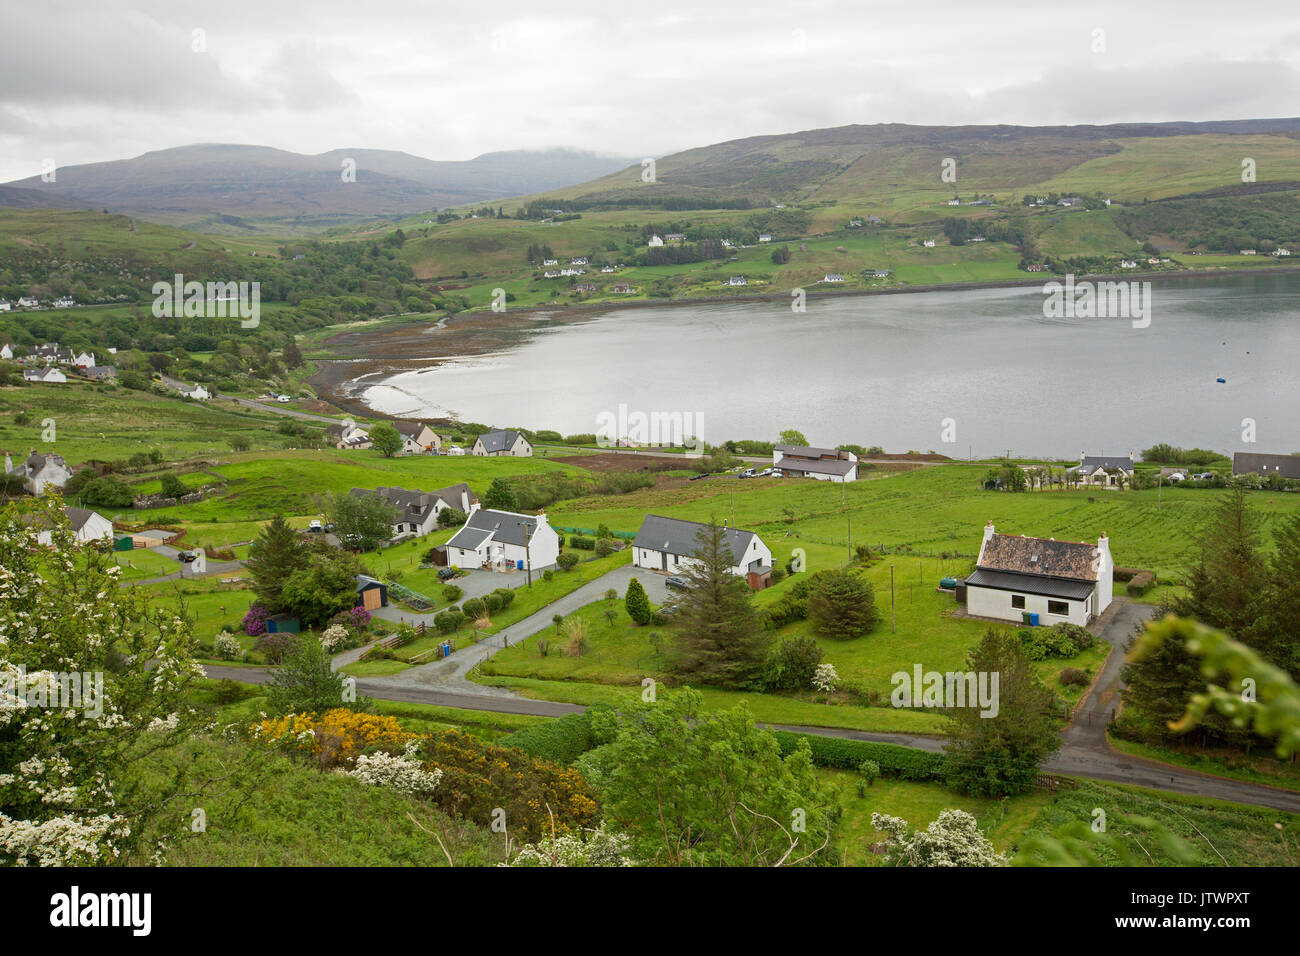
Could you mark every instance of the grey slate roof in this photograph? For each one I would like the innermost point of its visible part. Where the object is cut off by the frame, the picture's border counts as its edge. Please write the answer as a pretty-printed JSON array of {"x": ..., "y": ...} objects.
[
  {"x": 77, "y": 517},
  {"x": 1091, "y": 463},
  {"x": 498, "y": 440},
  {"x": 504, "y": 526},
  {"x": 1030, "y": 584},
  {"x": 1244, "y": 463},
  {"x": 807, "y": 451},
  {"x": 414, "y": 506},
  {"x": 816, "y": 466},
  {"x": 679, "y": 537}
]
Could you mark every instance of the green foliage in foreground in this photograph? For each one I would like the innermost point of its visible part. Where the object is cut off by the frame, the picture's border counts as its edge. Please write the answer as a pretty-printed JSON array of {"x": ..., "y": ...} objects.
[{"x": 906, "y": 763}]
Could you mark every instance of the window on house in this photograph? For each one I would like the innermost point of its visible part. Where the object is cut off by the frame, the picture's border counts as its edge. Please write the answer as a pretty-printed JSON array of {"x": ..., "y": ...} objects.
[
  {"x": 1058, "y": 607},
  {"x": 1018, "y": 601}
]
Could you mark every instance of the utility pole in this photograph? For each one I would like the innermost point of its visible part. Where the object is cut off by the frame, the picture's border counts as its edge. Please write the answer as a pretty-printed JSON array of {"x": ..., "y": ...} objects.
[
  {"x": 849, "y": 519},
  {"x": 893, "y": 616},
  {"x": 528, "y": 554},
  {"x": 1158, "y": 490}
]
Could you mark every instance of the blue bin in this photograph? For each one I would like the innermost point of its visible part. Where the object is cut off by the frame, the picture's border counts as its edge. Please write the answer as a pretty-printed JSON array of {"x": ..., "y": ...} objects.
[
  {"x": 519, "y": 565},
  {"x": 1033, "y": 620}
]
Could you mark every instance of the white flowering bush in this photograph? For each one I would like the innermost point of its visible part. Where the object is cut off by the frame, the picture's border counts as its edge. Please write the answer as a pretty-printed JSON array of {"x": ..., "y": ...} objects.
[
  {"x": 334, "y": 637},
  {"x": 67, "y": 796},
  {"x": 600, "y": 847},
  {"x": 825, "y": 678},
  {"x": 402, "y": 772},
  {"x": 954, "y": 839},
  {"x": 225, "y": 646}
]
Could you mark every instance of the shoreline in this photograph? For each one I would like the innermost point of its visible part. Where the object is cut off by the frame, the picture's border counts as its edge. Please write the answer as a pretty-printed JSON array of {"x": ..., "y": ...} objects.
[{"x": 476, "y": 332}]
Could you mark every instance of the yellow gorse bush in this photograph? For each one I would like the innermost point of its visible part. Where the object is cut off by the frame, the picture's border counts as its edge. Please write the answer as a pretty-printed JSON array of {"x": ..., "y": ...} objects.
[{"x": 336, "y": 736}]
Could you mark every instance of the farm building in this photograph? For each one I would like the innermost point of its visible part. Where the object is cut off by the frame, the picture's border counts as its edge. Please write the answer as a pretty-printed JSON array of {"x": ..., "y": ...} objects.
[
  {"x": 1056, "y": 581},
  {"x": 502, "y": 443},
  {"x": 1248, "y": 463},
  {"x": 669, "y": 544},
  {"x": 372, "y": 593},
  {"x": 503, "y": 539}
]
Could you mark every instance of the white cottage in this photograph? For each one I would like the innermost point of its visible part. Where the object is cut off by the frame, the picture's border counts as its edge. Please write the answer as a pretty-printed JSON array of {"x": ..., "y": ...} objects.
[
  {"x": 40, "y": 472},
  {"x": 500, "y": 443},
  {"x": 1060, "y": 581},
  {"x": 669, "y": 544},
  {"x": 823, "y": 464},
  {"x": 418, "y": 438},
  {"x": 503, "y": 539},
  {"x": 418, "y": 511}
]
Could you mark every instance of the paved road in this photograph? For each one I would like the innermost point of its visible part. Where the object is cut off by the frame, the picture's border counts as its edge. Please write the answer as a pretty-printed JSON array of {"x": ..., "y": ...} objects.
[{"x": 1084, "y": 750}]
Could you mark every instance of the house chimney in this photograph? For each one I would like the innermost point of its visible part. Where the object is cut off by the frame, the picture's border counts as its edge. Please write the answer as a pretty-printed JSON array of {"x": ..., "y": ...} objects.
[
  {"x": 464, "y": 500},
  {"x": 1130, "y": 457}
]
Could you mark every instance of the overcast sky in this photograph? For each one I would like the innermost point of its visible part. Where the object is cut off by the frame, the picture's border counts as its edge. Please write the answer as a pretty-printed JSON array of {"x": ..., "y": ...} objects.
[{"x": 90, "y": 80}]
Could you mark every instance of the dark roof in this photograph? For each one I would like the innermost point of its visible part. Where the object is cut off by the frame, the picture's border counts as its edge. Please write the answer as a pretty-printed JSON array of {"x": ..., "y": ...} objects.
[
  {"x": 414, "y": 505},
  {"x": 504, "y": 526},
  {"x": 410, "y": 429},
  {"x": 1245, "y": 463},
  {"x": 77, "y": 517},
  {"x": 365, "y": 582},
  {"x": 1091, "y": 463},
  {"x": 1040, "y": 557},
  {"x": 498, "y": 440},
  {"x": 807, "y": 451},
  {"x": 679, "y": 537},
  {"x": 1030, "y": 584},
  {"x": 817, "y": 465}
]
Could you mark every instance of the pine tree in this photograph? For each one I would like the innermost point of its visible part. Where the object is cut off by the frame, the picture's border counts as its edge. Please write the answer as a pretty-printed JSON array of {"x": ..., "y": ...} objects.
[
  {"x": 637, "y": 604},
  {"x": 1278, "y": 638},
  {"x": 277, "y": 553},
  {"x": 999, "y": 755},
  {"x": 719, "y": 638},
  {"x": 1228, "y": 580},
  {"x": 501, "y": 496},
  {"x": 841, "y": 605}
]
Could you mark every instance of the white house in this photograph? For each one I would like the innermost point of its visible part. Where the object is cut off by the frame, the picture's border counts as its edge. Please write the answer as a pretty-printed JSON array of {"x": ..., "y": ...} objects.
[
  {"x": 40, "y": 472},
  {"x": 1102, "y": 471},
  {"x": 86, "y": 527},
  {"x": 84, "y": 359},
  {"x": 954, "y": 202},
  {"x": 1248, "y": 252},
  {"x": 654, "y": 242},
  {"x": 765, "y": 237},
  {"x": 928, "y": 243},
  {"x": 5, "y": 351},
  {"x": 28, "y": 302},
  {"x": 737, "y": 280},
  {"x": 550, "y": 262},
  {"x": 1060, "y": 581},
  {"x": 418, "y": 511},
  {"x": 502, "y": 443},
  {"x": 348, "y": 437},
  {"x": 503, "y": 539},
  {"x": 1281, "y": 252},
  {"x": 669, "y": 544},
  {"x": 47, "y": 374},
  {"x": 5, "y": 305},
  {"x": 417, "y": 438},
  {"x": 580, "y": 261},
  {"x": 197, "y": 392},
  {"x": 833, "y": 277},
  {"x": 824, "y": 464}
]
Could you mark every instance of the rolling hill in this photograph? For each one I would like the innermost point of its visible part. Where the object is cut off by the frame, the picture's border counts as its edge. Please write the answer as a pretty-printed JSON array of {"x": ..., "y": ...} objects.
[{"x": 231, "y": 189}]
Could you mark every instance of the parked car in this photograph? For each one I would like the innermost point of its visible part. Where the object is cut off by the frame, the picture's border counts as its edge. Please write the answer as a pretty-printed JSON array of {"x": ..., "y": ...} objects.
[
  {"x": 703, "y": 474},
  {"x": 678, "y": 582},
  {"x": 188, "y": 556},
  {"x": 316, "y": 527},
  {"x": 748, "y": 473},
  {"x": 283, "y": 398},
  {"x": 668, "y": 610},
  {"x": 1203, "y": 476}
]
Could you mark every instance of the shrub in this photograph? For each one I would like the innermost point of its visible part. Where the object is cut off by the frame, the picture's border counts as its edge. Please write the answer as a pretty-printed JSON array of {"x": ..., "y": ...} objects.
[
  {"x": 1073, "y": 675},
  {"x": 637, "y": 604},
  {"x": 229, "y": 692},
  {"x": 894, "y": 761},
  {"x": 492, "y": 602},
  {"x": 274, "y": 647},
  {"x": 792, "y": 664},
  {"x": 506, "y": 595},
  {"x": 1059, "y": 640},
  {"x": 255, "y": 620},
  {"x": 449, "y": 620},
  {"x": 870, "y": 773},
  {"x": 567, "y": 561},
  {"x": 334, "y": 638},
  {"x": 225, "y": 647},
  {"x": 451, "y": 593},
  {"x": 474, "y": 608},
  {"x": 548, "y": 575},
  {"x": 604, "y": 546},
  {"x": 562, "y": 740},
  {"x": 826, "y": 678},
  {"x": 1140, "y": 583},
  {"x": 582, "y": 544},
  {"x": 841, "y": 605}
]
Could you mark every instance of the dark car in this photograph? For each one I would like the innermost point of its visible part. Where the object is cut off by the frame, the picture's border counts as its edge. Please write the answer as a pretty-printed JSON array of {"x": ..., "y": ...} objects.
[
  {"x": 678, "y": 582},
  {"x": 703, "y": 474}
]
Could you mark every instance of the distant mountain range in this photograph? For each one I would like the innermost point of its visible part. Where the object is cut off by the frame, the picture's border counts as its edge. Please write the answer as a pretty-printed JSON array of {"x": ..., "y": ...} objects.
[{"x": 231, "y": 188}]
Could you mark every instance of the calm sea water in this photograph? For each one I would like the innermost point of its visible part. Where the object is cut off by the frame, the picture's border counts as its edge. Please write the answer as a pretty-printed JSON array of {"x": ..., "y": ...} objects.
[{"x": 889, "y": 370}]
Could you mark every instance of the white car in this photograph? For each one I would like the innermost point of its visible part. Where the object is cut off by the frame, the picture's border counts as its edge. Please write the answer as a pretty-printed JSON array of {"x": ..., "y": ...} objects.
[{"x": 283, "y": 398}]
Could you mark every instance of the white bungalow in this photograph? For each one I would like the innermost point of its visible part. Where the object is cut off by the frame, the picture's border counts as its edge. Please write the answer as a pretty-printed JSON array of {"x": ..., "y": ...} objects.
[
  {"x": 418, "y": 438},
  {"x": 502, "y": 540},
  {"x": 40, "y": 472},
  {"x": 502, "y": 443},
  {"x": 669, "y": 544}
]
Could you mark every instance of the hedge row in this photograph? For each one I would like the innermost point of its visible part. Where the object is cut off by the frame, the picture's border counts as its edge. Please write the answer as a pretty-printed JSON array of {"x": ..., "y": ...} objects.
[
  {"x": 905, "y": 763},
  {"x": 582, "y": 544},
  {"x": 562, "y": 740}
]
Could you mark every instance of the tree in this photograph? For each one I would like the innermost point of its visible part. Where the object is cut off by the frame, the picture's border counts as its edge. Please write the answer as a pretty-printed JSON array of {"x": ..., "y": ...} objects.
[
  {"x": 451, "y": 518},
  {"x": 792, "y": 437},
  {"x": 954, "y": 839},
  {"x": 305, "y": 682},
  {"x": 323, "y": 586},
  {"x": 999, "y": 755},
  {"x": 362, "y": 521},
  {"x": 386, "y": 439},
  {"x": 719, "y": 639},
  {"x": 277, "y": 553},
  {"x": 841, "y": 605},
  {"x": 292, "y": 356},
  {"x": 173, "y": 487},
  {"x": 501, "y": 496},
  {"x": 71, "y": 787},
  {"x": 1281, "y": 606},
  {"x": 637, "y": 604},
  {"x": 781, "y": 255},
  {"x": 707, "y": 789}
]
